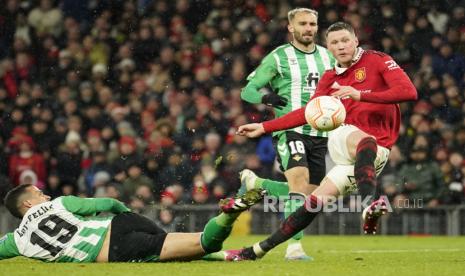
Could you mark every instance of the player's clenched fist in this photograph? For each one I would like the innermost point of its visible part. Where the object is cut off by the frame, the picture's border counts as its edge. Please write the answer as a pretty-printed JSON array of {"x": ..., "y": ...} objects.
[{"x": 251, "y": 130}]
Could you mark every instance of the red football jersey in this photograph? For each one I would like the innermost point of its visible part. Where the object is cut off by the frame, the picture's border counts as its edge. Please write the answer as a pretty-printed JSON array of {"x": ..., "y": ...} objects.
[
  {"x": 17, "y": 165},
  {"x": 382, "y": 83}
]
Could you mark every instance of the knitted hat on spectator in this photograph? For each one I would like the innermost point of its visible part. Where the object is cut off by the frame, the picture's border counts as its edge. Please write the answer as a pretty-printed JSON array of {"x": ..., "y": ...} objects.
[
  {"x": 168, "y": 194},
  {"x": 206, "y": 51},
  {"x": 101, "y": 177},
  {"x": 200, "y": 188},
  {"x": 26, "y": 139},
  {"x": 257, "y": 49},
  {"x": 28, "y": 177},
  {"x": 93, "y": 133},
  {"x": 422, "y": 107},
  {"x": 72, "y": 137},
  {"x": 125, "y": 128},
  {"x": 65, "y": 54},
  {"x": 85, "y": 85},
  {"x": 19, "y": 136},
  {"x": 99, "y": 68},
  {"x": 61, "y": 121},
  {"x": 117, "y": 109},
  {"x": 18, "y": 131},
  {"x": 126, "y": 63},
  {"x": 127, "y": 140}
]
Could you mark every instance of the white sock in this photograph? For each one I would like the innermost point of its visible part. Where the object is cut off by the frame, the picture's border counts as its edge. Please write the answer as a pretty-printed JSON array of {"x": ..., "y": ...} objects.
[{"x": 291, "y": 247}]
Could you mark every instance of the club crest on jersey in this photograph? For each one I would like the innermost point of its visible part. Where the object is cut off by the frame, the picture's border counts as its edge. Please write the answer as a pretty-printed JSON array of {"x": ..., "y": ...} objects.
[{"x": 360, "y": 74}]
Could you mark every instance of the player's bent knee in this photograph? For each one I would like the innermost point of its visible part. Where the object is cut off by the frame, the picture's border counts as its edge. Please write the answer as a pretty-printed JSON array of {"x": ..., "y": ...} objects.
[
  {"x": 354, "y": 139},
  {"x": 327, "y": 190},
  {"x": 298, "y": 179}
]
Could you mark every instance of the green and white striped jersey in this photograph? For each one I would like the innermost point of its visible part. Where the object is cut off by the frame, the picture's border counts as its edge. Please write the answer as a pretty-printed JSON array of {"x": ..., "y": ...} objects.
[
  {"x": 62, "y": 230},
  {"x": 292, "y": 74}
]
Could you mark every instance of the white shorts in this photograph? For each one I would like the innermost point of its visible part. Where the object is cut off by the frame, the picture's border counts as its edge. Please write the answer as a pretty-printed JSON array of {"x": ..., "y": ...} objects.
[{"x": 343, "y": 173}]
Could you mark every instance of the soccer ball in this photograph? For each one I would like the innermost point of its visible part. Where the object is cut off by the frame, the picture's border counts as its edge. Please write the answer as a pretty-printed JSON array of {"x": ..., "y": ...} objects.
[{"x": 325, "y": 113}]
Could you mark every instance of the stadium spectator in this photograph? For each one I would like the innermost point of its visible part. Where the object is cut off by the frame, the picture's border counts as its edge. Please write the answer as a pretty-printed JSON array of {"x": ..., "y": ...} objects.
[
  {"x": 455, "y": 180},
  {"x": 26, "y": 159},
  {"x": 68, "y": 159},
  {"x": 30, "y": 177},
  {"x": 125, "y": 155},
  {"x": 420, "y": 179},
  {"x": 168, "y": 221},
  {"x": 448, "y": 62},
  {"x": 134, "y": 180},
  {"x": 98, "y": 164},
  {"x": 53, "y": 187},
  {"x": 46, "y": 19},
  {"x": 200, "y": 192},
  {"x": 388, "y": 184}
]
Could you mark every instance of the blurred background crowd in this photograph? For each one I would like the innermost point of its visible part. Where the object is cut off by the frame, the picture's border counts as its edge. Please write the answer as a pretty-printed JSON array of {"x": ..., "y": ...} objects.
[{"x": 139, "y": 100}]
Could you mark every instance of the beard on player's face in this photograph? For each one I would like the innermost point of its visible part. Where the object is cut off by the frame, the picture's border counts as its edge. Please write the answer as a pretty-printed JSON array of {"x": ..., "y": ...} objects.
[{"x": 303, "y": 38}]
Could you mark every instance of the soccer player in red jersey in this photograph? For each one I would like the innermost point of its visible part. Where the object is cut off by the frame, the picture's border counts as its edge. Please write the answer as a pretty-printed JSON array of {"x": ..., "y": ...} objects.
[{"x": 369, "y": 84}]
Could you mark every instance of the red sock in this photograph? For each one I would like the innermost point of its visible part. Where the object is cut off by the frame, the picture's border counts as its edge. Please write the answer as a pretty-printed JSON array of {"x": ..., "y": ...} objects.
[
  {"x": 364, "y": 168},
  {"x": 296, "y": 222}
]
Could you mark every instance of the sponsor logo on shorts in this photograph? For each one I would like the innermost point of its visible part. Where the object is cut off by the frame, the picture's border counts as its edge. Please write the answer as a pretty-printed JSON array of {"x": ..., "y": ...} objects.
[{"x": 297, "y": 157}]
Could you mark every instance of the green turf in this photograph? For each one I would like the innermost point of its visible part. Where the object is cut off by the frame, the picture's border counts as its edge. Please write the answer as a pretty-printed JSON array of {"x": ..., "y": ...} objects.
[{"x": 334, "y": 255}]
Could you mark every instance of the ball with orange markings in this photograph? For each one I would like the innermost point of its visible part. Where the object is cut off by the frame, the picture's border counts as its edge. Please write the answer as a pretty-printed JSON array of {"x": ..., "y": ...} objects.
[{"x": 325, "y": 113}]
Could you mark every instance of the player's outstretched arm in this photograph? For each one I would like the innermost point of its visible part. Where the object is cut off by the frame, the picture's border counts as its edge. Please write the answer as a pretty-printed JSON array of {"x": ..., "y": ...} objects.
[
  {"x": 91, "y": 206},
  {"x": 251, "y": 130},
  {"x": 291, "y": 120}
]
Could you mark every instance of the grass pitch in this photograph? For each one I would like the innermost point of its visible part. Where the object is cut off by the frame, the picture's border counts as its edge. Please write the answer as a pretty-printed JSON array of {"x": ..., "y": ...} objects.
[{"x": 334, "y": 255}]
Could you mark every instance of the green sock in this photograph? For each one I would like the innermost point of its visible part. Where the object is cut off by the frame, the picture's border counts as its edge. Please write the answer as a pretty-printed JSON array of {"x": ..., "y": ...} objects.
[
  {"x": 216, "y": 231},
  {"x": 274, "y": 188},
  {"x": 296, "y": 201}
]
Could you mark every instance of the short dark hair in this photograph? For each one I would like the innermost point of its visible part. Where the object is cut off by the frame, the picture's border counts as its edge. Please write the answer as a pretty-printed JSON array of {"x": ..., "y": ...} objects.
[
  {"x": 291, "y": 14},
  {"x": 12, "y": 198},
  {"x": 340, "y": 26}
]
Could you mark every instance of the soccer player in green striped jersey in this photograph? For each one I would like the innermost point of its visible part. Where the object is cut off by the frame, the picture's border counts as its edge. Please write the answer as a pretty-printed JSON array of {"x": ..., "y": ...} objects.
[
  {"x": 67, "y": 229},
  {"x": 292, "y": 71}
]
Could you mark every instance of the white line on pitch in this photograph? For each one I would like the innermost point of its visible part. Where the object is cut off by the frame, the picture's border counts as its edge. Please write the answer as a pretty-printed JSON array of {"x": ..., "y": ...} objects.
[{"x": 398, "y": 250}]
